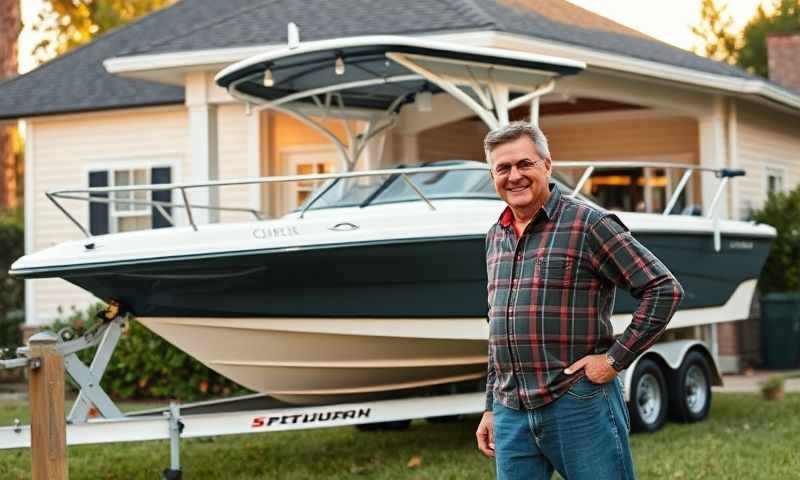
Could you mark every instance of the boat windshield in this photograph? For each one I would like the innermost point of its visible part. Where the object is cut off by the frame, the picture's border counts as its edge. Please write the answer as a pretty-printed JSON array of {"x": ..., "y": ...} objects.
[
  {"x": 363, "y": 191},
  {"x": 377, "y": 190}
]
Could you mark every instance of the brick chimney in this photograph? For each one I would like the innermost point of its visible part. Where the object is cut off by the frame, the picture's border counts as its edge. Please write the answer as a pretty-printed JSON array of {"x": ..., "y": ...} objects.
[{"x": 783, "y": 59}]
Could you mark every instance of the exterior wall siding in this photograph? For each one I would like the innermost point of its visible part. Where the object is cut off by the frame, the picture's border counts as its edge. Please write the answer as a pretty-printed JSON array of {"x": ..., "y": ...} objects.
[
  {"x": 582, "y": 137},
  {"x": 461, "y": 140},
  {"x": 232, "y": 160},
  {"x": 64, "y": 149},
  {"x": 766, "y": 138},
  {"x": 615, "y": 139},
  {"x": 284, "y": 133}
]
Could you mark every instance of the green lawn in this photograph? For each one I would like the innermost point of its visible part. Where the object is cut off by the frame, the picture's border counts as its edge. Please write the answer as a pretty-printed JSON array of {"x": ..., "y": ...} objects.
[{"x": 745, "y": 437}]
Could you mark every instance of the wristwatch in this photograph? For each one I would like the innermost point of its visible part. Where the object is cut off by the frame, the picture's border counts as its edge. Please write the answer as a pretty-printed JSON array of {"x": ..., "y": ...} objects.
[{"x": 611, "y": 362}]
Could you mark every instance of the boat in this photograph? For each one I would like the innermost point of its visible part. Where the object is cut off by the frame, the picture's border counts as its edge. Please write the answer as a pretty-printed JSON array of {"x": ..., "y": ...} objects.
[{"x": 377, "y": 283}]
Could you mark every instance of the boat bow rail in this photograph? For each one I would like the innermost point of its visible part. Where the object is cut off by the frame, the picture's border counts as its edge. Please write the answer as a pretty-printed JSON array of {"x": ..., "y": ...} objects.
[{"x": 106, "y": 194}]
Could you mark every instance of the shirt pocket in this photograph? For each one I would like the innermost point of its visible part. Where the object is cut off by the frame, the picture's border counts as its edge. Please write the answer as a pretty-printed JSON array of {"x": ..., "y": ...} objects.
[{"x": 556, "y": 269}]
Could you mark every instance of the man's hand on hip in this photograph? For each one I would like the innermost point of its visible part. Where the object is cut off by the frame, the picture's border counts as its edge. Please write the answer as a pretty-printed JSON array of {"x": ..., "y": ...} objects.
[
  {"x": 485, "y": 434},
  {"x": 596, "y": 368}
]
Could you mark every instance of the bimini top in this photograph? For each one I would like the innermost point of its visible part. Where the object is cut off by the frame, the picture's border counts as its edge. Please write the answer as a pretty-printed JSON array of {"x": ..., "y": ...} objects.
[{"x": 384, "y": 72}]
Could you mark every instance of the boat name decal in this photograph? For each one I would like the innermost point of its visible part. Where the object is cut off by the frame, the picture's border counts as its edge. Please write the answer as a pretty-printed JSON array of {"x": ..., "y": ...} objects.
[
  {"x": 276, "y": 232},
  {"x": 316, "y": 417},
  {"x": 741, "y": 245}
]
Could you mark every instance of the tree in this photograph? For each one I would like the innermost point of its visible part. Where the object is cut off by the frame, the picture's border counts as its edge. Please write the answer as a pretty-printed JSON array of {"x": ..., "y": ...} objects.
[
  {"x": 753, "y": 53},
  {"x": 714, "y": 31},
  {"x": 781, "y": 273},
  {"x": 747, "y": 48},
  {"x": 10, "y": 26},
  {"x": 66, "y": 24}
]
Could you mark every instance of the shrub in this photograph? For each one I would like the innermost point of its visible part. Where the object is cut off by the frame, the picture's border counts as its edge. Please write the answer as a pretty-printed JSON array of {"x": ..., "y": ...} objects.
[
  {"x": 146, "y": 366},
  {"x": 782, "y": 270},
  {"x": 12, "y": 290},
  {"x": 772, "y": 387}
]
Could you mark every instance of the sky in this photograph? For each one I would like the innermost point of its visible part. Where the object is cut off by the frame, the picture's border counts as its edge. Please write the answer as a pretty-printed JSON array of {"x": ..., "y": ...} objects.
[
  {"x": 670, "y": 21},
  {"x": 667, "y": 20}
]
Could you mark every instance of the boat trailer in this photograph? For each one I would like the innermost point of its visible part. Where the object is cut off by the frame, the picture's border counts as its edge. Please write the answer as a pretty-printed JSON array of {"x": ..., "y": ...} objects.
[{"x": 255, "y": 413}]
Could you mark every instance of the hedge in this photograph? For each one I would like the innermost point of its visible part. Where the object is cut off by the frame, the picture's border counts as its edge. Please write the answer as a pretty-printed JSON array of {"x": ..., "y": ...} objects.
[
  {"x": 782, "y": 270},
  {"x": 12, "y": 290},
  {"x": 144, "y": 366}
]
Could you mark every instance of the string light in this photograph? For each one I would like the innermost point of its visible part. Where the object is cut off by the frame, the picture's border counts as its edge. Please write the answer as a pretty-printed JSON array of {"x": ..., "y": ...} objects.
[
  {"x": 423, "y": 100},
  {"x": 339, "y": 65},
  {"x": 268, "y": 80}
]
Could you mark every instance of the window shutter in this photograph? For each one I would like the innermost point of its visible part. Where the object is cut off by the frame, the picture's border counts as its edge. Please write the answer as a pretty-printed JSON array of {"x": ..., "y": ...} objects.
[
  {"x": 161, "y": 175},
  {"x": 98, "y": 212}
]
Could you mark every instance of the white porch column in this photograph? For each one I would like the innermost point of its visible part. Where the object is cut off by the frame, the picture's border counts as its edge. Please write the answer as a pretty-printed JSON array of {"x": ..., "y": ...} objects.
[
  {"x": 254, "y": 156},
  {"x": 736, "y": 209},
  {"x": 31, "y": 317},
  {"x": 712, "y": 141},
  {"x": 203, "y": 146}
]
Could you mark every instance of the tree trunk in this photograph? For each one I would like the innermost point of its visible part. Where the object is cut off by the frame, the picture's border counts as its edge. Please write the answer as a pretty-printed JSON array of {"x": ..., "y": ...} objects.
[{"x": 10, "y": 27}]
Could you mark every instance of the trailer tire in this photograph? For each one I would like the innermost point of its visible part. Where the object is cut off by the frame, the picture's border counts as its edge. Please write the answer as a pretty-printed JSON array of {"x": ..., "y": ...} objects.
[
  {"x": 690, "y": 389},
  {"x": 648, "y": 404}
]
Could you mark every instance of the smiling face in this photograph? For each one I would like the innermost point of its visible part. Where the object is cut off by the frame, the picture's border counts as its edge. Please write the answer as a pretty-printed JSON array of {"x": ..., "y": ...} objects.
[{"x": 520, "y": 176}]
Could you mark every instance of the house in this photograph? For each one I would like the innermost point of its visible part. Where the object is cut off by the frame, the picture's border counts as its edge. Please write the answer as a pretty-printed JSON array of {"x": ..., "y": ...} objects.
[{"x": 139, "y": 105}]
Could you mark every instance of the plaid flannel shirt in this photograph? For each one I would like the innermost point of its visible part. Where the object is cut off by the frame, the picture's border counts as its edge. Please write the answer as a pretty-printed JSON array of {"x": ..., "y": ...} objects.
[{"x": 551, "y": 295}]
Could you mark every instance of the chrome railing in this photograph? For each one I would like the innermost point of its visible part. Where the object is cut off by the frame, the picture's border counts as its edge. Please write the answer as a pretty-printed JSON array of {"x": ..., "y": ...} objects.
[{"x": 91, "y": 194}]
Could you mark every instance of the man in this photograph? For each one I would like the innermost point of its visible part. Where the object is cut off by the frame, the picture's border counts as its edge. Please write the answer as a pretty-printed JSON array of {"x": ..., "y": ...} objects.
[{"x": 553, "y": 399}]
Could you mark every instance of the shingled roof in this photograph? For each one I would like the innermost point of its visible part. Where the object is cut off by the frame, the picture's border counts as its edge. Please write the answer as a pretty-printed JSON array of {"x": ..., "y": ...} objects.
[{"x": 77, "y": 81}]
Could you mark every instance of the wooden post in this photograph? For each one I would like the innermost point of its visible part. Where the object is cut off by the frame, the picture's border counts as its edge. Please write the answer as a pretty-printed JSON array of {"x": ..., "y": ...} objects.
[{"x": 46, "y": 392}]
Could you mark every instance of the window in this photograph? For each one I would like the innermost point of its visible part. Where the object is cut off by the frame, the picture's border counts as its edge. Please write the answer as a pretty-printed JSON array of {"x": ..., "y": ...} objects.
[
  {"x": 307, "y": 160},
  {"x": 129, "y": 211},
  {"x": 305, "y": 188},
  {"x": 774, "y": 180},
  {"x": 126, "y": 214},
  {"x": 630, "y": 190}
]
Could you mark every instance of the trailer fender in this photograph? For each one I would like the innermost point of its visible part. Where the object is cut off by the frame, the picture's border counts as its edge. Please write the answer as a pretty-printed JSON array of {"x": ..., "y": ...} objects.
[{"x": 671, "y": 355}]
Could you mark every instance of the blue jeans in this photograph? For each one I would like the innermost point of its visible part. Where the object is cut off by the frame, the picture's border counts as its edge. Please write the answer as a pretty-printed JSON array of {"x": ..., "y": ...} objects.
[{"x": 582, "y": 435}]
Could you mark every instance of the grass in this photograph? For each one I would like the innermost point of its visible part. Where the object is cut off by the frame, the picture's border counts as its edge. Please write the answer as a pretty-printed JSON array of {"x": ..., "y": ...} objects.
[{"x": 744, "y": 437}]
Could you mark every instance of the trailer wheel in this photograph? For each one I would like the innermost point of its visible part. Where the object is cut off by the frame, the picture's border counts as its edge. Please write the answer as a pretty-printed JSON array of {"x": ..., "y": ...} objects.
[
  {"x": 690, "y": 389},
  {"x": 648, "y": 403}
]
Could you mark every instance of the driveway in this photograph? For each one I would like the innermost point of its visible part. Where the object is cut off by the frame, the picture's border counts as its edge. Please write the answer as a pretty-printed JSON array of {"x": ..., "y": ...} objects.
[{"x": 752, "y": 382}]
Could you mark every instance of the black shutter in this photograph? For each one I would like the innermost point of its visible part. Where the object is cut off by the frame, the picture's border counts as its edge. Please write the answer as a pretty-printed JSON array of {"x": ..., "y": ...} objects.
[
  {"x": 98, "y": 211},
  {"x": 161, "y": 175}
]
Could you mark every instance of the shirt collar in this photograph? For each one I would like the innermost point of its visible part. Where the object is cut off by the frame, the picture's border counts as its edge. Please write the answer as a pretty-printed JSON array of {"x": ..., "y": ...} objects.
[{"x": 549, "y": 207}]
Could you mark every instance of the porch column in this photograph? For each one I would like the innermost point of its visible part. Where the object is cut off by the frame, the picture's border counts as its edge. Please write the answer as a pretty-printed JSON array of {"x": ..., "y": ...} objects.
[
  {"x": 254, "y": 147},
  {"x": 203, "y": 149},
  {"x": 736, "y": 209},
  {"x": 31, "y": 316},
  {"x": 712, "y": 154}
]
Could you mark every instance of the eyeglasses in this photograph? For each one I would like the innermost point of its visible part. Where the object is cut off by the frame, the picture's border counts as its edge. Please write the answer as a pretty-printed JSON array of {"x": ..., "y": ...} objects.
[{"x": 523, "y": 166}]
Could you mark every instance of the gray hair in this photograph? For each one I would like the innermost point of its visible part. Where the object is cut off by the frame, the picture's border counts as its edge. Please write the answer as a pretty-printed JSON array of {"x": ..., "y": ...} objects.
[{"x": 513, "y": 131}]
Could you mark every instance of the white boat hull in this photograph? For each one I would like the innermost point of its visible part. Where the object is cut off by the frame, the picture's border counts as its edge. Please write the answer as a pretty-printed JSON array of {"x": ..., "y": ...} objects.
[
  {"x": 325, "y": 360},
  {"x": 307, "y": 361}
]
